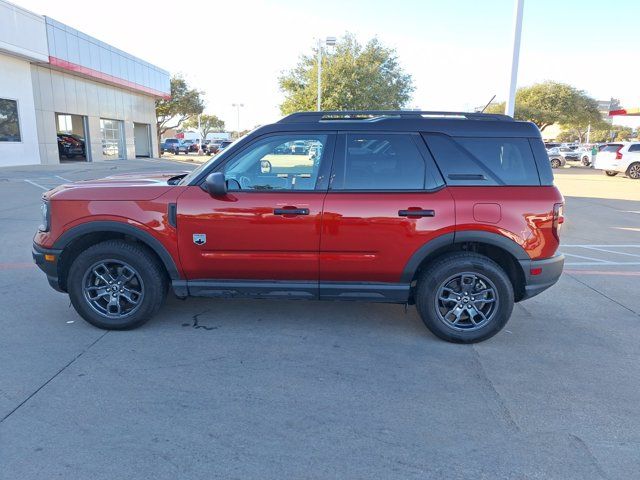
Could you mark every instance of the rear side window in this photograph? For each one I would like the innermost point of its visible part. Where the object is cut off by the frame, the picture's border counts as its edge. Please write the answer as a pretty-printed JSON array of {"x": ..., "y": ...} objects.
[
  {"x": 484, "y": 161},
  {"x": 612, "y": 147},
  {"x": 380, "y": 162},
  {"x": 635, "y": 147}
]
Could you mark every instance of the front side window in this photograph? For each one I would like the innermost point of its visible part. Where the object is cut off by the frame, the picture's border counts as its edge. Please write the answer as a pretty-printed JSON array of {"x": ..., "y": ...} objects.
[
  {"x": 9, "y": 124},
  {"x": 279, "y": 162},
  {"x": 380, "y": 162}
]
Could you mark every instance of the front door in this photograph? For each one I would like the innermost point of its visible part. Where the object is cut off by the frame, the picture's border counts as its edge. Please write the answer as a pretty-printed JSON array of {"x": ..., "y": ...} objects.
[
  {"x": 384, "y": 202},
  {"x": 267, "y": 227}
]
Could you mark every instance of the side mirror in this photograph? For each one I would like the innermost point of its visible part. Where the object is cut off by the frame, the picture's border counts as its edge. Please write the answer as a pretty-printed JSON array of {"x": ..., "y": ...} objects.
[
  {"x": 265, "y": 166},
  {"x": 216, "y": 185}
]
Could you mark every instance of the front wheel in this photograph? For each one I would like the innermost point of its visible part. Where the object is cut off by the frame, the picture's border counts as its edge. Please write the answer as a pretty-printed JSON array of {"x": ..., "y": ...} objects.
[
  {"x": 585, "y": 161},
  {"x": 610, "y": 173},
  {"x": 116, "y": 285},
  {"x": 464, "y": 297},
  {"x": 634, "y": 171},
  {"x": 555, "y": 163}
]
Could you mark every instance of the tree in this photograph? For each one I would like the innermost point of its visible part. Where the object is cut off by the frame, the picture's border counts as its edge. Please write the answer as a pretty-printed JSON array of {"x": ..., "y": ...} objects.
[
  {"x": 183, "y": 104},
  {"x": 624, "y": 134},
  {"x": 551, "y": 102},
  {"x": 208, "y": 124},
  {"x": 354, "y": 77}
]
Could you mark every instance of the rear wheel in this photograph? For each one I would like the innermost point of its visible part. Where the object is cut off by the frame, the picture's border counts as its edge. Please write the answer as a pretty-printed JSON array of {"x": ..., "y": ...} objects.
[
  {"x": 116, "y": 285},
  {"x": 464, "y": 297},
  {"x": 634, "y": 171},
  {"x": 610, "y": 173},
  {"x": 585, "y": 161},
  {"x": 555, "y": 163}
]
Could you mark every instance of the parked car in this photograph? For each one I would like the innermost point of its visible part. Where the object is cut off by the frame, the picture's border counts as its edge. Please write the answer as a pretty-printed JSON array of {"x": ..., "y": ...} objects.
[
  {"x": 620, "y": 157},
  {"x": 460, "y": 218},
  {"x": 69, "y": 146},
  {"x": 223, "y": 144},
  {"x": 556, "y": 160},
  {"x": 192, "y": 146},
  {"x": 299, "y": 148},
  {"x": 175, "y": 146}
]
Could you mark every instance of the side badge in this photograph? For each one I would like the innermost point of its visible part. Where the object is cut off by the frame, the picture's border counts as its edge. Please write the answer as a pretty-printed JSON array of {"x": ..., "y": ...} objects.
[{"x": 199, "y": 238}]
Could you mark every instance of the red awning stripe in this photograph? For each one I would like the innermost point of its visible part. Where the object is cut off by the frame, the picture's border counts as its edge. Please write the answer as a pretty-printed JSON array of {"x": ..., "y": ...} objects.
[{"x": 104, "y": 77}]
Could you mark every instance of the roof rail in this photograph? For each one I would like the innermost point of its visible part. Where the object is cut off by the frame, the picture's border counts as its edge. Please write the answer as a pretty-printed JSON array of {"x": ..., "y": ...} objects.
[{"x": 374, "y": 115}]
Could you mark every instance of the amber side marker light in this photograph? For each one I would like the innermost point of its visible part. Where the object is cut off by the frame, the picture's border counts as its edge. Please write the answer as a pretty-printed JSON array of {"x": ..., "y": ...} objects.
[{"x": 49, "y": 258}]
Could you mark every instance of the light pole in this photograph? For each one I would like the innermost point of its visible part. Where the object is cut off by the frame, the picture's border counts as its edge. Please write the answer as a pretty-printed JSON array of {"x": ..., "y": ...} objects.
[
  {"x": 329, "y": 41},
  {"x": 237, "y": 106},
  {"x": 517, "y": 33}
]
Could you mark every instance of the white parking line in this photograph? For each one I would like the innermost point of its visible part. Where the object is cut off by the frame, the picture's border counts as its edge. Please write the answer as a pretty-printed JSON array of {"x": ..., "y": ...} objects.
[
  {"x": 613, "y": 251},
  {"x": 586, "y": 258},
  {"x": 63, "y": 179},
  {"x": 37, "y": 185},
  {"x": 610, "y": 255},
  {"x": 635, "y": 245}
]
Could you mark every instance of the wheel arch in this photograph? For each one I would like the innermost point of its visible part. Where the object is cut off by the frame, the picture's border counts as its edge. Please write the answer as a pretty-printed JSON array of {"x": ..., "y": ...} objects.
[
  {"x": 502, "y": 250},
  {"x": 76, "y": 239}
]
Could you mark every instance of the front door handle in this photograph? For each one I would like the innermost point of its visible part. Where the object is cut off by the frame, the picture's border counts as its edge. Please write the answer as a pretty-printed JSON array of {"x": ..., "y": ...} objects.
[
  {"x": 291, "y": 211},
  {"x": 416, "y": 212}
]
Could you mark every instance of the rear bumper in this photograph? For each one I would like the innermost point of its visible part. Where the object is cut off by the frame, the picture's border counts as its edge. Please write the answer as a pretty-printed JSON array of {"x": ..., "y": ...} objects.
[
  {"x": 541, "y": 274},
  {"x": 50, "y": 268},
  {"x": 608, "y": 165}
]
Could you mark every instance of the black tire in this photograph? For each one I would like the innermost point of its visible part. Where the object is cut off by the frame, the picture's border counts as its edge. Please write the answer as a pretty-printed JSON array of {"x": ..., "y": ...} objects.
[
  {"x": 555, "y": 163},
  {"x": 634, "y": 171},
  {"x": 610, "y": 173},
  {"x": 585, "y": 161},
  {"x": 440, "y": 273},
  {"x": 150, "y": 278}
]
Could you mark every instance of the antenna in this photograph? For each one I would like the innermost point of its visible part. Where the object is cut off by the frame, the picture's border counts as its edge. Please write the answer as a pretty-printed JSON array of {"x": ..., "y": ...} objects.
[{"x": 489, "y": 103}]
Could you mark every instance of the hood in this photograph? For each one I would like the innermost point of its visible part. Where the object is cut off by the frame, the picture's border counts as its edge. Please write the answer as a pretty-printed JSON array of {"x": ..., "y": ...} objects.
[{"x": 129, "y": 186}]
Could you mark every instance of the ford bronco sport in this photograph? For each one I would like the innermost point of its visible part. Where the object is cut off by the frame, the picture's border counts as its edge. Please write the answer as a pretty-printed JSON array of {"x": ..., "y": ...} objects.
[{"x": 453, "y": 212}]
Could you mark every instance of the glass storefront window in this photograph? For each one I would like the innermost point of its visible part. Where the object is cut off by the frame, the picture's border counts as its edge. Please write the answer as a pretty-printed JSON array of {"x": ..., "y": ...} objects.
[
  {"x": 9, "y": 123},
  {"x": 112, "y": 138}
]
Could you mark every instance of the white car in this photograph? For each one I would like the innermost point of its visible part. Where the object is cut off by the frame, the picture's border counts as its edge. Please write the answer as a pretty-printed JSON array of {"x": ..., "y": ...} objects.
[{"x": 620, "y": 157}]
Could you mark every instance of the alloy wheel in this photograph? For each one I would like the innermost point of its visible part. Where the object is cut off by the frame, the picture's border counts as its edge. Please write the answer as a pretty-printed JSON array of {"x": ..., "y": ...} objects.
[
  {"x": 634, "y": 171},
  {"x": 113, "y": 288},
  {"x": 466, "y": 301}
]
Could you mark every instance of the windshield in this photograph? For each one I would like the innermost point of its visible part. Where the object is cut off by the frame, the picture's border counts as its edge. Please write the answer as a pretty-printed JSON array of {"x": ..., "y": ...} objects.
[{"x": 194, "y": 173}]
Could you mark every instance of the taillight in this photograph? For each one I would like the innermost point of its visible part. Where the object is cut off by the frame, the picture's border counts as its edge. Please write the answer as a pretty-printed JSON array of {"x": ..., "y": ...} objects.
[
  {"x": 618, "y": 154},
  {"x": 558, "y": 219}
]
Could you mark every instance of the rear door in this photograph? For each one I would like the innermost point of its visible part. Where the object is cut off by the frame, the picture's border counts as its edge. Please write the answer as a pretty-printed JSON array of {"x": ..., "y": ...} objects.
[
  {"x": 384, "y": 203},
  {"x": 268, "y": 225}
]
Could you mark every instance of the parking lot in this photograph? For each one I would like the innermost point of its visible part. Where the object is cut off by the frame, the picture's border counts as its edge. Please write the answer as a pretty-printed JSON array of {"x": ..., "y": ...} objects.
[{"x": 290, "y": 390}]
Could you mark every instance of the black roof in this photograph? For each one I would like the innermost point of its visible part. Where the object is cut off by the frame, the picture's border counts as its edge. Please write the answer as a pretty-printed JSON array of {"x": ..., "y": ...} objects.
[{"x": 469, "y": 124}]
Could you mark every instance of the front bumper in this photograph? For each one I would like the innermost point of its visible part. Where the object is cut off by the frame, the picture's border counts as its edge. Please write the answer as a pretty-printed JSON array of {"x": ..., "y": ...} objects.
[
  {"x": 541, "y": 274},
  {"x": 49, "y": 267}
]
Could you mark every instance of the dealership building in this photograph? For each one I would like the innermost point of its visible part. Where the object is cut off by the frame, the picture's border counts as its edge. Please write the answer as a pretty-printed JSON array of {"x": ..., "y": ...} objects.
[{"x": 66, "y": 96}]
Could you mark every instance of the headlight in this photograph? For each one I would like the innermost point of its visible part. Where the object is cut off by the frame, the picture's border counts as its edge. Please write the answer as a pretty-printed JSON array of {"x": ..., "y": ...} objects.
[{"x": 46, "y": 216}]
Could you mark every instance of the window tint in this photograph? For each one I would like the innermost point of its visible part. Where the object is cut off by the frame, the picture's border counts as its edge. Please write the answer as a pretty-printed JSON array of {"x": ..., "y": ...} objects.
[
  {"x": 510, "y": 159},
  {"x": 635, "y": 147},
  {"x": 9, "y": 125},
  {"x": 280, "y": 162},
  {"x": 380, "y": 162},
  {"x": 484, "y": 161},
  {"x": 612, "y": 147}
]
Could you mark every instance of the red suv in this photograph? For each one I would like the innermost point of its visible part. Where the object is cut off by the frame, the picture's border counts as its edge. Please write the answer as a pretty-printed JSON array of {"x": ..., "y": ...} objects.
[{"x": 453, "y": 212}]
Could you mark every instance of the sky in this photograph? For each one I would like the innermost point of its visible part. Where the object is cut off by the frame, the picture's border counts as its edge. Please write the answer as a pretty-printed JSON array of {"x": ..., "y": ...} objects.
[{"x": 457, "y": 51}]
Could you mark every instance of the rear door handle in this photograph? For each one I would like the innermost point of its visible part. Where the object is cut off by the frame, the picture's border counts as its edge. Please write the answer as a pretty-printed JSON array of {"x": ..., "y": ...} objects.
[
  {"x": 416, "y": 213},
  {"x": 291, "y": 211}
]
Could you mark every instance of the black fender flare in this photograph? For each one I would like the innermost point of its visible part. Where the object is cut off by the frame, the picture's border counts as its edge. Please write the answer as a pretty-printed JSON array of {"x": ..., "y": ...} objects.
[
  {"x": 110, "y": 226},
  {"x": 450, "y": 239}
]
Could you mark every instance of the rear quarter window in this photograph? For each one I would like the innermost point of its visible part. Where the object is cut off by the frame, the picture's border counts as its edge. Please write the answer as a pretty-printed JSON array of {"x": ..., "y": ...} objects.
[{"x": 484, "y": 161}]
